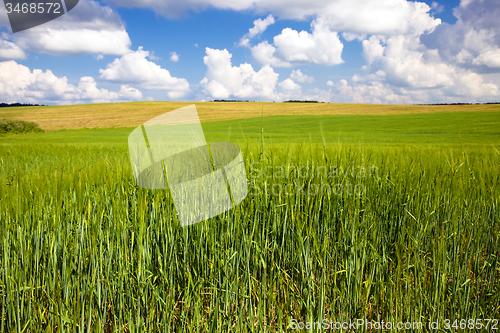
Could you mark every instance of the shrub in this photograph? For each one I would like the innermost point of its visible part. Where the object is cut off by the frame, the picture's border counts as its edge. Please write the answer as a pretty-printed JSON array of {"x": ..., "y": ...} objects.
[{"x": 8, "y": 126}]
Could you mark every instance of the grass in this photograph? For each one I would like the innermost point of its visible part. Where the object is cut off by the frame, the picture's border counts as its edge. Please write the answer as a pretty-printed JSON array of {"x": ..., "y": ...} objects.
[
  {"x": 85, "y": 250},
  {"x": 453, "y": 128},
  {"x": 134, "y": 114},
  {"x": 430, "y": 128}
]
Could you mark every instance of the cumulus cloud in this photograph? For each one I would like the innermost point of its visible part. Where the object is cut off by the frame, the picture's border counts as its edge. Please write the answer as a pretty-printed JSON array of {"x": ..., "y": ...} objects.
[
  {"x": 223, "y": 80},
  {"x": 259, "y": 26},
  {"x": 468, "y": 88},
  {"x": 437, "y": 7},
  {"x": 387, "y": 17},
  {"x": 134, "y": 68},
  {"x": 364, "y": 16},
  {"x": 289, "y": 90},
  {"x": 374, "y": 92},
  {"x": 298, "y": 76},
  {"x": 87, "y": 29},
  {"x": 74, "y": 41},
  {"x": 10, "y": 51},
  {"x": 289, "y": 85},
  {"x": 370, "y": 92},
  {"x": 489, "y": 57},
  {"x": 322, "y": 46},
  {"x": 174, "y": 57},
  {"x": 265, "y": 54},
  {"x": 408, "y": 63},
  {"x": 350, "y": 36},
  {"x": 407, "y": 67},
  {"x": 422, "y": 66},
  {"x": 88, "y": 90},
  {"x": 373, "y": 48},
  {"x": 473, "y": 42},
  {"x": 19, "y": 84}
]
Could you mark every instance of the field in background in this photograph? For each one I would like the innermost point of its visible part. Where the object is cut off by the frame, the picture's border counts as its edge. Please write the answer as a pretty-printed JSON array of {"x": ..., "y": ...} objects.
[
  {"x": 84, "y": 249},
  {"x": 451, "y": 128},
  {"x": 135, "y": 113}
]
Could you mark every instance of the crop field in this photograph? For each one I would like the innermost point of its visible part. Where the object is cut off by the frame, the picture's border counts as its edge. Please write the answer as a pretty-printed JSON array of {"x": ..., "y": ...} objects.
[
  {"x": 375, "y": 214},
  {"x": 135, "y": 113}
]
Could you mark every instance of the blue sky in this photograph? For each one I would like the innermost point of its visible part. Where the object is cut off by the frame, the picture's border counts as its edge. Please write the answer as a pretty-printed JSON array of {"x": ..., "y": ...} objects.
[{"x": 359, "y": 51}]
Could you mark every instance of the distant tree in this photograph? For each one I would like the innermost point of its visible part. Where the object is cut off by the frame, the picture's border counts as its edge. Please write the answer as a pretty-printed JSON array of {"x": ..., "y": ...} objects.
[
  {"x": 297, "y": 101},
  {"x": 5, "y": 105},
  {"x": 228, "y": 100}
]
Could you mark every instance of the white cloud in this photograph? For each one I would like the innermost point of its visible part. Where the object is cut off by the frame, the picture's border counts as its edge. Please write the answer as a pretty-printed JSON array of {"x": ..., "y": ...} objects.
[
  {"x": 74, "y": 41},
  {"x": 323, "y": 46},
  {"x": 259, "y": 26},
  {"x": 289, "y": 85},
  {"x": 223, "y": 80},
  {"x": 88, "y": 90},
  {"x": 472, "y": 85},
  {"x": 174, "y": 57},
  {"x": 465, "y": 3},
  {"x": 244, "y": 41},
  {"x": 134, "y": 68},
  {"x": 407, "y": 63},
  {"x": 10, "y": 51},
  {"x": 386, "y": 17},
  {"x": 264, "y": 53},
  {"x": 403, "y": 64},
  {"x": 154, "y": 57},
  {"x": 130, "y": 92},
  {"x": 363, "y": 16},
  {"x": 350, "y": 36},
  {"x": 87, "y": 29},
  {"x": 435, "y": 68},
  {"x": 289, "y": 91},
  {"x": 373, "y": 92},
  {"x": 489, "y": 57},
  {"x": 437, "y": 7},
  {"x": 473, "y": 42},
  {"x": 373, "y": 48},
  {"x": 298, "y": 76},
  {"x": 19, "y": 84}
]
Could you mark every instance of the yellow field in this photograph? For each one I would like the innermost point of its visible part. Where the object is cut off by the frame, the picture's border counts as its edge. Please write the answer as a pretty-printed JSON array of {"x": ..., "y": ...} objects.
[{"x": 135, "y": 113}]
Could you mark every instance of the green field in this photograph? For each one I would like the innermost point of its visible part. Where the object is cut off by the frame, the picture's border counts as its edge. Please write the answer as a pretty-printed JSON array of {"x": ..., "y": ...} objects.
[
  {"x": 404, "y": 226},
  {"x": 133, "y": 114},
  {"x": 469, "y": 128}
]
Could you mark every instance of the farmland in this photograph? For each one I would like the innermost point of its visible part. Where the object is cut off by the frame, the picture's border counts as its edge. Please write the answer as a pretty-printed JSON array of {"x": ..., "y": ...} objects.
[
  {"x": 404, "y": 226},
  {"x": 135, "y": 113}
]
